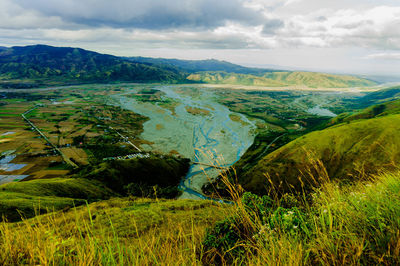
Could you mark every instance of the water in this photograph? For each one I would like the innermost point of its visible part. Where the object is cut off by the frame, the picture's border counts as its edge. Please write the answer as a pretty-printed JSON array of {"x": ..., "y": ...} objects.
[
  {"x": 4, "y": 179},
  {"x": 5, "y": 164},
  {"x": 317, "y": 110},
  {"x": 213, "y": 139},
  {"x": 8, "y": 133}
]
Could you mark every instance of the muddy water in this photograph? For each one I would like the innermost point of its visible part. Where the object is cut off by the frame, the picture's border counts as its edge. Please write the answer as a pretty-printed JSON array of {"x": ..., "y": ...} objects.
[{"x": 211, "y": 139}]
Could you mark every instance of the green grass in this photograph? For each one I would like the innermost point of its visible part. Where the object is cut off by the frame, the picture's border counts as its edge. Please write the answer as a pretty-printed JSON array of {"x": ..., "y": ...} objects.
[
  {"x": 379, "y": 110},
  {"x": 114, "y": 232},
  {"x": 8, "y": 115},
  {"x": 354, "y": 224},
  {"x": 347, "y": 151},
  {"x": 23, "y": 198}
]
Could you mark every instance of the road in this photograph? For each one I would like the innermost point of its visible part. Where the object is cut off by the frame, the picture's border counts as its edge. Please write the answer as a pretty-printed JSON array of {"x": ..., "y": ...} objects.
[{"x": 65, "y": 158}]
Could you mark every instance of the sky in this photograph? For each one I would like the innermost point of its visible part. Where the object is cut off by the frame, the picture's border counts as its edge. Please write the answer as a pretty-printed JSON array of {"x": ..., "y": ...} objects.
[{"x": 340, "y": 36}]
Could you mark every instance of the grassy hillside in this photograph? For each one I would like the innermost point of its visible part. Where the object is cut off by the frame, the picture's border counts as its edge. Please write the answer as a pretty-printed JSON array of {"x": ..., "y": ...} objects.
[
  {"x": 233, "y": 78},
  {"x": 378, "y": 97},
  {"x": 319, "y": 80},
  {"x": 282, "y": 79},
  {"x": 156, "y": 176},
  {"x": 113, "y": 232},
  {"x": 39, "y": 196},
  {"x": 387, "y": 108},
  {"x": 348, "y": 225},
  {"x": 41, "y": 63},
  {"x": 348, "y": 152}
]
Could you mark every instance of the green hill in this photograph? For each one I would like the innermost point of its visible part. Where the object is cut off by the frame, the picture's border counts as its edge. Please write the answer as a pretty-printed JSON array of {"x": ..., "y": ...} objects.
[
  {"x": 145, "y": 177},
  {"x": 40, "y": 63},
  {"x": 192, "y": 66},
  {"x": 387, "y": 108},
  {"x": 282, "y": 79},
  {"x": 348, "y": 151},
  {"x": 380, "y": 96},
  {"x": 319, "y": 80},
  {"x": 29, "y": 198},
  {"x": 30, "y": 66}
]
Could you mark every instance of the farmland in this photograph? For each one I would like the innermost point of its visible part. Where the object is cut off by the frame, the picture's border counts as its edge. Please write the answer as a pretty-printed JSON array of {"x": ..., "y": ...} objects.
[{"x": 77, "y": 121}]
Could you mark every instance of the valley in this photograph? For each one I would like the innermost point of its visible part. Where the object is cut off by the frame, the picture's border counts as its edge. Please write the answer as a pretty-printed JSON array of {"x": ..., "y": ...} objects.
[
  {"x": 109, "y": 160},
  {"x": 211, "y": 126}
]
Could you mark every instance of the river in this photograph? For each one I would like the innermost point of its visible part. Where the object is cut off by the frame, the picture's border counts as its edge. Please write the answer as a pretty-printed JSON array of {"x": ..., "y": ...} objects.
[{"x": 213, "y": 139}]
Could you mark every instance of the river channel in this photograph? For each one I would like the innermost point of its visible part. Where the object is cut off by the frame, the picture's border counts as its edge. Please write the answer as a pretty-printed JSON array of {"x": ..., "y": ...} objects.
[{"x": 213, "y": 139}]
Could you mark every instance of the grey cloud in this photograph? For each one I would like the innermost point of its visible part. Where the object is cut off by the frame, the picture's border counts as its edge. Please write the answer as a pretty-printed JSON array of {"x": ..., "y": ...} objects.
[
  {"x": 271, "y": 26},
  {"x": 147, "y": 14}
]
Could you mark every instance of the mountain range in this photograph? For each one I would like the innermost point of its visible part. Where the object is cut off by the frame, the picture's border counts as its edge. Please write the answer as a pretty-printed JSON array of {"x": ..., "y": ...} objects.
[{"x": 39, "y": 65}]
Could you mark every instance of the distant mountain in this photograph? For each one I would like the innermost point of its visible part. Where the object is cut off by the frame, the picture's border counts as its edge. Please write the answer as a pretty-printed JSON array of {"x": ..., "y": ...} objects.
[
  {"x": 30, "y": 66},
  {"x": 192, "y": 66},
  {"x": 41, "y": 62},
  {"x": 283, "y": 79},
  {"x": 234, "y": 79},
  {"x": 222, "y": 72}
]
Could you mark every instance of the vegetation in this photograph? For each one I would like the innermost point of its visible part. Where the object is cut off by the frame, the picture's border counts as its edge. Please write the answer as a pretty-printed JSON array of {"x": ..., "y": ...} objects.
[
  {"x": 39, "y": 64},
  {"x": 119, "y": 231},
  {"x": 348, "y": 224},
  {"x": 157, "y": 175},
  {"x": 348, "y": 151},
  {"x": 33, "y": 197},
  {"x": 338, "y": 225},
  {"x": 192, "y": 66},
  {"x": 319, "y": 190},
  {"x": 197, "y": 111},
  {"x": 282, "y": 79}
]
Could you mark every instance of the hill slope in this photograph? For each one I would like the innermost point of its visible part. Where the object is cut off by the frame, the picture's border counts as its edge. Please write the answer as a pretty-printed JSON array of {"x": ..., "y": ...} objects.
[
  {"x": 192, "y": 66},
  {"x": 39, "y": 196},
  {"x": 282, "y": 79},
  {"x": 346, "y": 151},
  {"x": 74, "y": 64}
]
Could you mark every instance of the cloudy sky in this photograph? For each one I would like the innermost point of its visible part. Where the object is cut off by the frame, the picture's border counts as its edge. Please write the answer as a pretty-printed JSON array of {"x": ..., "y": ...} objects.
[{"x": 353, "y": 36}]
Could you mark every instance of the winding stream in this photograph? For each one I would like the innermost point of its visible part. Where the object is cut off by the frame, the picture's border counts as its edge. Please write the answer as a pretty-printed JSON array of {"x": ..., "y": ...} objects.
[{"x": 212, "y": 139}]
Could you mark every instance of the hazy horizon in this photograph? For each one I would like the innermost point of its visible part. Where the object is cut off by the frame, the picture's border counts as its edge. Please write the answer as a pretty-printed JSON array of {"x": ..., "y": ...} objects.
[{"x": 355, "y": 37}]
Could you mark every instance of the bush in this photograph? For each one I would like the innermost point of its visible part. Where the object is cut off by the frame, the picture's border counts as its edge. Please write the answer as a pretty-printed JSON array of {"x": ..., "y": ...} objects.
[{"x": 231, "y": 239}]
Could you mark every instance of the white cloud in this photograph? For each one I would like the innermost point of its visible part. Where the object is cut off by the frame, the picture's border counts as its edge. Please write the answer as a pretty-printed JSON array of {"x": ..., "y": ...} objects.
[{"x": 384, "y": 56}]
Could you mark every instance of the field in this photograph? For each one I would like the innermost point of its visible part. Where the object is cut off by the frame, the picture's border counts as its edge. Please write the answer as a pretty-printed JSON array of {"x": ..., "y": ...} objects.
[{"x": 73, "y": 119}]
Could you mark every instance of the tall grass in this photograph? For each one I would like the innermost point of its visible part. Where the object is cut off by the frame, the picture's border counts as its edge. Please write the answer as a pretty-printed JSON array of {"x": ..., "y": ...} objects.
[
  {"x": 336, "y": 224},
  {"x": 114, "y": 232}
]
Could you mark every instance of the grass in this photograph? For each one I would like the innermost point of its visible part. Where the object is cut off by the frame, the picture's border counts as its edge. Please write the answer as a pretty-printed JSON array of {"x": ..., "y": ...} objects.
[
  {"x": 28, "y": 197},
  {"x": 113, "y": 232},
  {"x": 349, "y": 151},
  {"x": 352, "y": 224}
]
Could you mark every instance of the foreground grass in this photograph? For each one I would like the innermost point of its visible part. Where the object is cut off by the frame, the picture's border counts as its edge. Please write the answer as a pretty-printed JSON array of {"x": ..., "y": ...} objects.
[
  {"x": 341, "y": 225},
  {"x": 116, "y": 231},
  {"x": 347, "y": 224}
]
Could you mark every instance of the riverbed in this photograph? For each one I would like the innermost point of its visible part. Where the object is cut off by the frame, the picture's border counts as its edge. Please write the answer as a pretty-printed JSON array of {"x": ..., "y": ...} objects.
[{"x": 212, "y": 138}]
